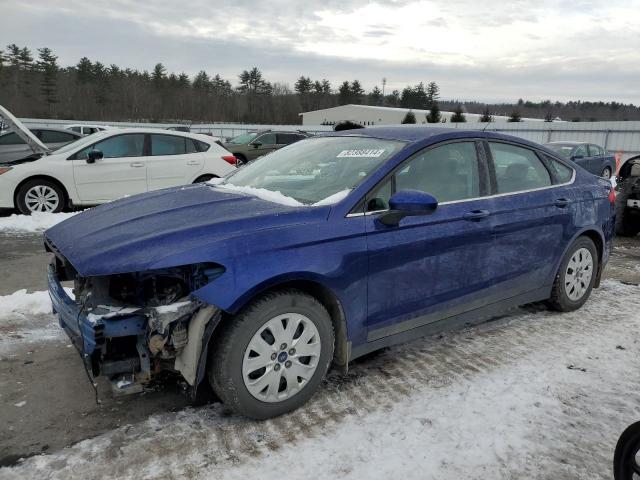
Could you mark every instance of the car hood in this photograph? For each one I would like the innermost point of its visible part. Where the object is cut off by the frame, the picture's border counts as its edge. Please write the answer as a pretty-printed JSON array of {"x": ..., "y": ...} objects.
[{"x": 160, "y": 229}]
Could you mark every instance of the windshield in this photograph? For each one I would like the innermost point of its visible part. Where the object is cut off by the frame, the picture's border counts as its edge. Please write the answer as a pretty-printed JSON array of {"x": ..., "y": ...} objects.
[
  {"x": 561, "y": 149},
  {"x": 314, "y": 169},
  {"x": 81, "y": 142},
  {"x": 243, "y": 139}
]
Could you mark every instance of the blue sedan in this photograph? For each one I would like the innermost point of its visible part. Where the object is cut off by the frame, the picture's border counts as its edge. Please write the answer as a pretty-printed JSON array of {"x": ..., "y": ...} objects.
[
  {"x": 592, "y": 158},
  {"x": 321, "y": 252}
]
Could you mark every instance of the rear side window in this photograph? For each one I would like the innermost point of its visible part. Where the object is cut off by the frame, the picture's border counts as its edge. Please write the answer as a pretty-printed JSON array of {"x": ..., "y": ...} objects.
[
  {"x": 201, "y": 146},
  {"x": 11, "y": 139},
  {"x": 168, "y": 145},
  {"x": 53, "y": 136},
  {"x": 517, "y": 168},
  {"x": 561, "y": 172},
  {"x": 266, "y": 139},
  {"x": 287, "y": 138},
  {"x": 581, "y": 151},
  {"x": 128, "y": 145}
]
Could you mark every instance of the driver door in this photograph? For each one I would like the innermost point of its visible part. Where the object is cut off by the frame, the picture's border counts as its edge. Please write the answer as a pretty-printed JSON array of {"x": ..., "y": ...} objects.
[
  {"x": 121, "y": 172},
  {"x": 430, "y": 267}
]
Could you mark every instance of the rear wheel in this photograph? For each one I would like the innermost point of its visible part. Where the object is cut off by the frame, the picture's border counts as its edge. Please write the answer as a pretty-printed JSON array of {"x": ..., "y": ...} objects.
[
  {"x": 271, "y": 357},
  {"x": 576, "y": 276},
  {"x": 40, "y": 196},
  {"x": 240, "y": 159},
  {"x": 606, "y": 173}
]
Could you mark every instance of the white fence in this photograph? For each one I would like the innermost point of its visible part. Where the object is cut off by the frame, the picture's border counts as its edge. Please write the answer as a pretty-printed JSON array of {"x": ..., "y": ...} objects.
[{"x": 615, "y": 137}]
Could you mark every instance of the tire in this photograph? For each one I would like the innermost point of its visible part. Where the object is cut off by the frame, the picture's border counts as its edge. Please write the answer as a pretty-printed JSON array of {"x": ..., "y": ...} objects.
[
  {"x": 624, "y": 458},
  {"x": 204, "y": 178},
  {"x": 40, "y": 195},
  {"x": 575, "y": 277},
  {"x": 236, "y": 371},
  {"x": 606, "y": 173},
  {"x": 240, "y": 159}
]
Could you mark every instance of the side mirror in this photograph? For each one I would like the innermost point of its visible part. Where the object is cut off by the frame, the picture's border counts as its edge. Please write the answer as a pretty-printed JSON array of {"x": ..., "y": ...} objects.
[
  {"x": 94, "y": 155},
  {"x": 577, "y": 157},
  {"x": 256, "y": 144},
  {"x": 407, "y": 203}
]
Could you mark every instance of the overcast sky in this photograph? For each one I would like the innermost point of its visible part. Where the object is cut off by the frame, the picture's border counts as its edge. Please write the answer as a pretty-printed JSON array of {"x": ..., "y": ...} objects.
[{"x": 476, "y": 50}]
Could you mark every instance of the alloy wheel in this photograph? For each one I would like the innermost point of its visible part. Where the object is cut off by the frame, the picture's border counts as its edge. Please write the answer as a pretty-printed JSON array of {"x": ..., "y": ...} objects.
[
  {"x": 41, "y": 198},
  {"x": 577, "y": 277},
  {"x": 281, "y": 357}
]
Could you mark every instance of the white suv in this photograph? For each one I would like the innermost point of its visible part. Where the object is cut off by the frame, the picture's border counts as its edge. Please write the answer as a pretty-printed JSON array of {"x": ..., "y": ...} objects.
[{"x": 109, "y": 165}]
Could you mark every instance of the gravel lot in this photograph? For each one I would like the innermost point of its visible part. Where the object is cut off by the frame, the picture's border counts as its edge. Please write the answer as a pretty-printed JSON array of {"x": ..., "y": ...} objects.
[{"x": 533, "y": 394}]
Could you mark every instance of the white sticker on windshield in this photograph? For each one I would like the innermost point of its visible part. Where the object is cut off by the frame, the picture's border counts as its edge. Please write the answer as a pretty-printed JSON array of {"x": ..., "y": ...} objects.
[{"x": 370, "y": 153}]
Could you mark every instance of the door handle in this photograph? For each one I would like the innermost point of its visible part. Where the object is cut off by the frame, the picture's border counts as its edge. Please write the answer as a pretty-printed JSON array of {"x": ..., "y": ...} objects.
[
  {"x": 136, "y": 164},
  {"x": 562, "y": 202},
  {"x": 475, "y": 215}
]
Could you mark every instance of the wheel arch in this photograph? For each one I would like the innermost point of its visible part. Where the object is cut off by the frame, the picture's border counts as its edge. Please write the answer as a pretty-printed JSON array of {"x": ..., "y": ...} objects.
[
  {"x": 597, "y": 237},
  {"x": 41, "y": 177}
]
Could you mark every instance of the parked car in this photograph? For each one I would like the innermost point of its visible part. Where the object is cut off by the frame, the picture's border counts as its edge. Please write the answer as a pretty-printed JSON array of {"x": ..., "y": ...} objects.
[
  {"x": 628, "y": 198},
  {"x": 14, "y": 149},
  {"x": 592, "y": 158},
  {"x": 86, "y": 129},
  {"x": 321, "y": 252},
  {"x": 180, "y": 128},
  {"x": 249, "y": 146},
  {"x": 109, "y": 165}
]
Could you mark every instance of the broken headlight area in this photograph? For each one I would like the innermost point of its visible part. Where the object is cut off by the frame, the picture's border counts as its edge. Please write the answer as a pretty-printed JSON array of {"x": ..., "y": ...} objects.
[{"x": 145, "y": 323}]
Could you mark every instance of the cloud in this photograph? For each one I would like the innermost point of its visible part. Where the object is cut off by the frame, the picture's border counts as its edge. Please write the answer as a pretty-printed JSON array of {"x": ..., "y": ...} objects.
[{"x": 490, "y": 50}]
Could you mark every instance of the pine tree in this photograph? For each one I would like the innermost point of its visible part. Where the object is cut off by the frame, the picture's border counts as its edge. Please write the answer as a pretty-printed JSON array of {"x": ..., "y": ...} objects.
[
  {"x": 434, "y": 115},
  {"x": 486, "y": 116},
  {"x": 344, "y": 93},
  {"x": 47, "y": 65},
  {"x": 84, "y": 70},
  {"x": 159, "y": 75},
  {"x": 375, "y": 97},
  {"x": 515, "y": 115},
  {"x": 433, "y": 93},
  {"x": 356, "y": 92},
  {"x": 303, "y": 85},
  {"x": 409, "y": 118},
  {"x": 458, "y": 115}
]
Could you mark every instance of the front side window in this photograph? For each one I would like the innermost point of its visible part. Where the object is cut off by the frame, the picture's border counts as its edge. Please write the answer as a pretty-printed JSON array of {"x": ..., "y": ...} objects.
[
  {"x": 595, "y": 151},
  {"x": 167, "y": 145},
  {"x": 449, "y": 172},
  {"x": 128, "y": 145},
  {"x": 517, "y": 168},
  {"x": 11, "y": 139},
  {"x": 316, "y": 168},
  {"x": 266, "y": 139}
]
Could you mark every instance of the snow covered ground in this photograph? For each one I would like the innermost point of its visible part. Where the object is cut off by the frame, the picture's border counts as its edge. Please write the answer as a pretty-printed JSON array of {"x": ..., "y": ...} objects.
[
  {"x": 535, "y": 394},
  {"x": 36, "y": 222}
]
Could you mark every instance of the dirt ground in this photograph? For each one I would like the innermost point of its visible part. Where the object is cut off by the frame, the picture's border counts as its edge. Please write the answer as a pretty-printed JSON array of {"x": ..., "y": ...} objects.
[{"x": 60, "y": 408}]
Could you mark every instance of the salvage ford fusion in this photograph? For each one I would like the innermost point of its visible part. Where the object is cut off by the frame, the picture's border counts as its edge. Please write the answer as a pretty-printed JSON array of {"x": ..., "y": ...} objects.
[{"x": 321, "y": 252}]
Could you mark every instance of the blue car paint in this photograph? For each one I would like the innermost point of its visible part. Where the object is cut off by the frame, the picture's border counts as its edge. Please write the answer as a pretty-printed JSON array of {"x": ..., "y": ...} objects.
[{"x": 382, "y": 276}]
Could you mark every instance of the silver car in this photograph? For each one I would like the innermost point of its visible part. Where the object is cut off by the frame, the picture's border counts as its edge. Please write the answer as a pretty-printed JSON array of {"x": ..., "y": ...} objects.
[{"x": 13, "y": 148}]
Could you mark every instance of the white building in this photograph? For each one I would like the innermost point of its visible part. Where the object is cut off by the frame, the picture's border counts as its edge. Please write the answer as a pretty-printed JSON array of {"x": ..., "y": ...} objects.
[{"x": 372, "y": 115}]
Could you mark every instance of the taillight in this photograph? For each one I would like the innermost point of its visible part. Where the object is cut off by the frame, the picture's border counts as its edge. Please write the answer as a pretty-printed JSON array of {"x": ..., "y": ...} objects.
[
  {"x": 612, "y": 195},
  {"x": 230, "y": 159},
  {"x": 4, "y": 170}
]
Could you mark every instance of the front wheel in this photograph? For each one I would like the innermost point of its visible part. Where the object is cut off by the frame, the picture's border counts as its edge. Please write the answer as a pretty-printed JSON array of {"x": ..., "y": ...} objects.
[
  {"x": 40, "y": 196},
  {"x": 576, "y": 276},
  {"x": 606, "y": 173},
  {"x": 271, "y": 358},
  {"x": 625, "y": 458}
]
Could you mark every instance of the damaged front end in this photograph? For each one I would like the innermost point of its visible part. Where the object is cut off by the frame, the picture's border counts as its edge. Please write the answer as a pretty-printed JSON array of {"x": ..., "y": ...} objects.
[{"x": 130, "y": 327}]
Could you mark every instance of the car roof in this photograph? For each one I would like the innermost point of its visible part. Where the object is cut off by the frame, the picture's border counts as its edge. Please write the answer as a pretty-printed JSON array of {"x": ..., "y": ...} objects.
[
  {"x": 416, "y": 134},
  {"x": 569, "y": 142}
]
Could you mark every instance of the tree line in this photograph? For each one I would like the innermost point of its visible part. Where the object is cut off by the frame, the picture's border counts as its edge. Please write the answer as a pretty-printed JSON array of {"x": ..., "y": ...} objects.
[{"x": 36, "y": 85}]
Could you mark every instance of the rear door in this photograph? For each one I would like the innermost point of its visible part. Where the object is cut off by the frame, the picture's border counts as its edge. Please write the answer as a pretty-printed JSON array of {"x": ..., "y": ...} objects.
[
  {"x": 430, "y": 267},
  {"x": 532, "y": 213},
  {"x": 121, "y": 172},
  {"x": 173, "y": 161}
]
